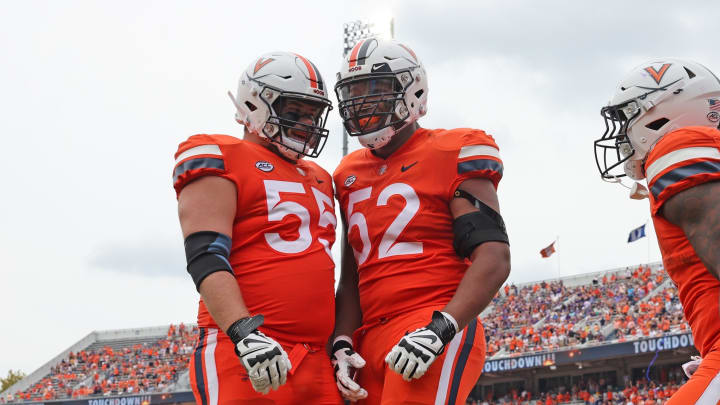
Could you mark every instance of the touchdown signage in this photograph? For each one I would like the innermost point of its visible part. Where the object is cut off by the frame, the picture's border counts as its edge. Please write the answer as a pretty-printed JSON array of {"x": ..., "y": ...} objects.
[
  {"x": 652, "y": 345},
  {"x": 663, "y": 343},
  {"x": 518, "y": 363},
  {"x": 138, "y": 400},
  {"x": 146, "y": 399}
]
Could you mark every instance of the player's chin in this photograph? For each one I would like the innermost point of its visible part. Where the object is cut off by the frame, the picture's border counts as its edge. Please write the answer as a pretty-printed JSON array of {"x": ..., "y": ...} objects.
[
  {"x": 369, "y": 124},
  {"x": 303, "y": 137}
]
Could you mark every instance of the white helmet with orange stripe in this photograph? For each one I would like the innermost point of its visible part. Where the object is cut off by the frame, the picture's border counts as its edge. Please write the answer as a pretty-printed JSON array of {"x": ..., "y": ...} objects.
[
  {"x": 282, "y": 97},
  {"x": 655, "y": 98},
  {"x": 381, "y": 88}
]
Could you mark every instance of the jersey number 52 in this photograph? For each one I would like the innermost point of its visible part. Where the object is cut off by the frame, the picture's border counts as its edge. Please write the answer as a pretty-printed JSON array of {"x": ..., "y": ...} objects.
[{"x": 388, "y": 245}]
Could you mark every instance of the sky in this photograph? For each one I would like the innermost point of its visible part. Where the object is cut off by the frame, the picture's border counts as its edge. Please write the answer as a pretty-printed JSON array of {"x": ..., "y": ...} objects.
[{"x": 96, "y": 97}]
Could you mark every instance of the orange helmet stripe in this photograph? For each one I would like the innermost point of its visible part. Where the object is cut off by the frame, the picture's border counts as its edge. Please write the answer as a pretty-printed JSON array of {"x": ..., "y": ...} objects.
[
  {"x": 354, "y": 53},
  {"x": 314, "y": 76}
]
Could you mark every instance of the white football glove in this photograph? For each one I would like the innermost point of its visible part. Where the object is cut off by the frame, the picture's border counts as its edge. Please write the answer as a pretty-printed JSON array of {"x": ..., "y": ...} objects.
[
  {"x": 691, "y": 366},
  {"x": 264, "y": 359},
  {"x": 345, "y": 360},
  {"x": 416, "y": 351}
]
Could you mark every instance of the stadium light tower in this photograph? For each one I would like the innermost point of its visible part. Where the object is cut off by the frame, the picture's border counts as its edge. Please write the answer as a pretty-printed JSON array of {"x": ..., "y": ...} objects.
[{"x": 356, "y": 31}]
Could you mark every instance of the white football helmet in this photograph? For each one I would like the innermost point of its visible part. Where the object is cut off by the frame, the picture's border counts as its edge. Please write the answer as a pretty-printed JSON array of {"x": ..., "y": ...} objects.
[
  {"x": 381, "y": 88},
  {"x": 653, "y": 99},
  {"x": 267, "y": 87}
]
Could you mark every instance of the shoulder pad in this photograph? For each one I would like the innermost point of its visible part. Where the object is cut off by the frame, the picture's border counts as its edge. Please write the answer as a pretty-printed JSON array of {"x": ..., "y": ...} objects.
[
  {"x": 200, "y": 155},
  {"x": 682, "y": 159},
  {"x": 455, "y": 139}
]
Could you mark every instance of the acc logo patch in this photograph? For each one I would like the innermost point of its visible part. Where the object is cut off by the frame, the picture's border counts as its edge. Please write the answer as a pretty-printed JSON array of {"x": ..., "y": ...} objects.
[
  {"x": 713, "y": 116},
  {"x": 264, "y": 166},
  {"x": 350, "y": 180}
]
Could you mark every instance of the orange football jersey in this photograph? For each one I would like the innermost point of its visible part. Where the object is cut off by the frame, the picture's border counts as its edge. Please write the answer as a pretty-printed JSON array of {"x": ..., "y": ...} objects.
[
  {"x": 683, "y": 159},
  {"x": 282, "y": 234},
  {"x": 399, "y": 220}
]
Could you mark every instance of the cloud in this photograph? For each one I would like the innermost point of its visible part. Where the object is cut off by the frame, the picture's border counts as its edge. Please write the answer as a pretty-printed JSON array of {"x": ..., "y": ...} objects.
[{"x": 151, "y": 258}]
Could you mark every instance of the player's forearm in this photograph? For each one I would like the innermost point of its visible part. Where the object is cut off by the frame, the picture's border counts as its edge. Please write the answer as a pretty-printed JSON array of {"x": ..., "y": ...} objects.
[
  {"x": 223, "y": 299},
  {"x": 489, "y": 269},
  {"x": 348, "y": 316}
]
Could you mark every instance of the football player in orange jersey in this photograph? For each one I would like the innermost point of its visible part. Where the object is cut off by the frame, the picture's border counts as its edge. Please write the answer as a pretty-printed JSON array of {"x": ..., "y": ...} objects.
[
  {"x": 259, "y": 222},
  {"x": 662, "y": 126},
  {"x": 425, "y": 248}
]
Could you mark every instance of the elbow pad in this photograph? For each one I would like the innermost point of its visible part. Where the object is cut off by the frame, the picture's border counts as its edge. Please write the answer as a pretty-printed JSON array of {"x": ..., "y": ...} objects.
[
  {"x": 477, "y": 227},
  {"x": 206, "y": 253}
]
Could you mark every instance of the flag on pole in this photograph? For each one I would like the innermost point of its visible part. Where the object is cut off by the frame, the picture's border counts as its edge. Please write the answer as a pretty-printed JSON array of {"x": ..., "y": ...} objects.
[
  {"x": 548, "y": 251},
  {"x": 636, "y": 233}
]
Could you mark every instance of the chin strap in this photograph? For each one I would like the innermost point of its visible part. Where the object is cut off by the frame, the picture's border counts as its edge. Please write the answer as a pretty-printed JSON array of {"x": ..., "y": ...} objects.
[{"x": 638, "y": 192}]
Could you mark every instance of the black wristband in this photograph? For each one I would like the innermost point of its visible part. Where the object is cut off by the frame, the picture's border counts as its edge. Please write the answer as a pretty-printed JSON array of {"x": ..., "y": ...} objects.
[
  {"x": 341, "y": 344},
  {"x": 442, "y": 327},
  {"x": 243, "y": 327}
]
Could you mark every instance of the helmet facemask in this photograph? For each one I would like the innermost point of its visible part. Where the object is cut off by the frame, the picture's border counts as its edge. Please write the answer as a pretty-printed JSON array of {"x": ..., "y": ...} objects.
[
  {"x": 297, "y": 125},
  {"x": 614, "y": 147},
  {"x": 373, "y": 107}
]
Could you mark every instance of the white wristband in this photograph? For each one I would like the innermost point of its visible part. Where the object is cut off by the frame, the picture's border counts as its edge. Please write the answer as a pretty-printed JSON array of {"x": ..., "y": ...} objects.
[{"x": 452, "y": 320}]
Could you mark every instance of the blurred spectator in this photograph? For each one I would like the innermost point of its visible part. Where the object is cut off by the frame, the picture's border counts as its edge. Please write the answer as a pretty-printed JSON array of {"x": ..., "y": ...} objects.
[
  {"x": 548, "y": 315},
  {"x": 142, "y": 368}
]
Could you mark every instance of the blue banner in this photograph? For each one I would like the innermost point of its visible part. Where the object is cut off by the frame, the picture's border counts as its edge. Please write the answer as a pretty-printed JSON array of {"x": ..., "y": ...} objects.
[{"x": 636, "y": 234}]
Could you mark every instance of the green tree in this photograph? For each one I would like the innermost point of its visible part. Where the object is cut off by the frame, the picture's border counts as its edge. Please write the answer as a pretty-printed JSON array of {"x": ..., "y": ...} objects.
[{"x": 12, "y": 378}]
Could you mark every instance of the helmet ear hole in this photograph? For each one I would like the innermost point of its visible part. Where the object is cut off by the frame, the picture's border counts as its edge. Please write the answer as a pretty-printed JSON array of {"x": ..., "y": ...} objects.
[
  {"x": 657, "y": 124},
  {"x": 689, "y": 72},
  {"x": 250, "y": 106},
  {"x": 419, "y": 93}
]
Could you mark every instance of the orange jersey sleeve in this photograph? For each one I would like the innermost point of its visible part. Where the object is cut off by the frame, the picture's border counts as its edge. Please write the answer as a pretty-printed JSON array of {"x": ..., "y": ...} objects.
[
  {"x": 200, "y": 155},
  {"x": 398, "y": 218},
  {"x": 478, "y": 156},
  {"x": 683, "y": 159}
]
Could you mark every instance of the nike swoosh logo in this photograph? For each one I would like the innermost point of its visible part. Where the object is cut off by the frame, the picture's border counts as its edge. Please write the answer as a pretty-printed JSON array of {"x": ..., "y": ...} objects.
[
  {"x": 319, "y": 181},
  {"x": 380, "y": 67},
  {"x": 251, "y": 340},
  {"x": 432, "y": 338},
  {"x": 405, "y": 168}
]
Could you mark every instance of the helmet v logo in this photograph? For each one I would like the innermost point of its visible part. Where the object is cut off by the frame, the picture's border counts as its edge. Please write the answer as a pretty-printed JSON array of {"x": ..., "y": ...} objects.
[
  {"x": 657, "y": 75},
  {"x": 260, "y": 63}
]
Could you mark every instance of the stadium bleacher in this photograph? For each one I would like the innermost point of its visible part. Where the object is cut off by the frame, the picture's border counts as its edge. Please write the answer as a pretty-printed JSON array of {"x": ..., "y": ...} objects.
[
  {"x": 550, "y": 315},
  {"x": 133, "y": 365}
]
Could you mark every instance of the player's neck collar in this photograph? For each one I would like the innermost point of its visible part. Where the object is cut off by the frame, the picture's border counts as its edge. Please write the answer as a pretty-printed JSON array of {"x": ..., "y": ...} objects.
[{"x": 403, "y": 139}]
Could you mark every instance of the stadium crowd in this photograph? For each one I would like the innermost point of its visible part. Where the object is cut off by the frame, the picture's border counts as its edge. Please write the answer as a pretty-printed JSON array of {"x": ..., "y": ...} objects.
[
  {"x": 536, "y": 317},
  {"x": 595, "y": 392},
  {"x": 549, "y": 315},
  {"x": 140, "y": 368}
]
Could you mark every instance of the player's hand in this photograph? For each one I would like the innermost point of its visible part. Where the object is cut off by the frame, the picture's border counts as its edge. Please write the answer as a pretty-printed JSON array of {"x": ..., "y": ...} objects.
[
  {"x": 346, "y": 361},
  {"x": 691, "y": 366},
  {"x": 264, "y": 359},
  {"x": 416, "y": 351}
]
